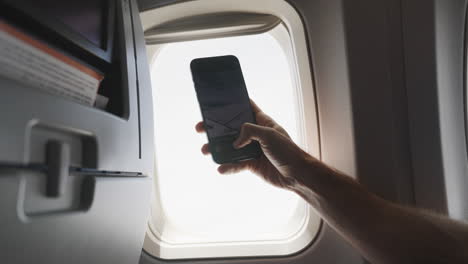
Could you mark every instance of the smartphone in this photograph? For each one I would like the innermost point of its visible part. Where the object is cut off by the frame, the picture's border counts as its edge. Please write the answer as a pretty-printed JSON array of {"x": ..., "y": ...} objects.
[{"x": 225, "y": 106}]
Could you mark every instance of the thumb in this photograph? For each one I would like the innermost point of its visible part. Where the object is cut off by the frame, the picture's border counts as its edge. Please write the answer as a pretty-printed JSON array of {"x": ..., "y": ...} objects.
[{"x": 251, "y": 132}]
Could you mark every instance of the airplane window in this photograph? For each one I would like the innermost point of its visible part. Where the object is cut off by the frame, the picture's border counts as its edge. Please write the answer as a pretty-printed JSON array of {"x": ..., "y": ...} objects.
[{"x": 196, "y": 208}]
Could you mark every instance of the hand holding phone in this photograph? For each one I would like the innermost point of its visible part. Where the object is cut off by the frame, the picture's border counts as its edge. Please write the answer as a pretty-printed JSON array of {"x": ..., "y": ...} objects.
[
  {"x": 281, "y": 160},
  {"x": 225, "y": 106}
]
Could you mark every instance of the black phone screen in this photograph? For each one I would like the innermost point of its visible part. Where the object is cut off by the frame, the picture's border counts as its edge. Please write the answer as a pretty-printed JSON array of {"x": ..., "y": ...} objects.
[
  {"x": 222, "y": 95},
  {"x": 225, "y": 106}
]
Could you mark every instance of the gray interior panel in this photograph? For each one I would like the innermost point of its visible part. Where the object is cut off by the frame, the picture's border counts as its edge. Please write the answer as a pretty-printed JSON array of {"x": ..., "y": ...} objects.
[
  {"x": 118, "y": 140},
  {"x": 99, "y": 164},
  {"x": 107, "y": 227},
  {"x": 434, "y": 33}
]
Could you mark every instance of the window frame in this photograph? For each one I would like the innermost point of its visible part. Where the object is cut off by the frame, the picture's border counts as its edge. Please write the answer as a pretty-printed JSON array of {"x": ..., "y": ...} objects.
[{"x": 295, "y": 48}]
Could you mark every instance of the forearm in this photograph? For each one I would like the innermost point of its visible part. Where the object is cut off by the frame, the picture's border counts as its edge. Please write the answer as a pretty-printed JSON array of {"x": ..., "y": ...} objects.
[{"x": 381, "y": 231}]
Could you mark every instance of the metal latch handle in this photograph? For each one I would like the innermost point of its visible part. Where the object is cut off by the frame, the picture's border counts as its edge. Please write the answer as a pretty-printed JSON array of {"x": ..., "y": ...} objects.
[{"x": 58, "y": 164}]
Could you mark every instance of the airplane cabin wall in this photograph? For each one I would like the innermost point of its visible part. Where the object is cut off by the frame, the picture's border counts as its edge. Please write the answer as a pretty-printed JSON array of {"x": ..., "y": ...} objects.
[
  {"x": 434, "y": 46},
  {"x": 377, "y": 82},
  {"x": 401, "y": 102},
  {"x": 451, "y": 68}
]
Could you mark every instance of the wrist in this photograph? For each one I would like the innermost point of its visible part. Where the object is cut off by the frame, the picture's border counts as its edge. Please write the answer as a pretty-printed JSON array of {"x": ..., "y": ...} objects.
[
  {"x": 313, "y": 178},
  {"x": 304, "y": 170}
]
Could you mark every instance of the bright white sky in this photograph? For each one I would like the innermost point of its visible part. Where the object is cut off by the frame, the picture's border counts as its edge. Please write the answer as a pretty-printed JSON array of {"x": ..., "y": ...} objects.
[{"x": 198, "y": 204}]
